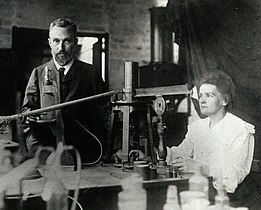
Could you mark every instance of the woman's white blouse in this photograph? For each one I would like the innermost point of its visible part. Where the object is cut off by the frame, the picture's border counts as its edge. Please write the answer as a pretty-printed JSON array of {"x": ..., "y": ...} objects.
[{"x": 227, "y": 149}]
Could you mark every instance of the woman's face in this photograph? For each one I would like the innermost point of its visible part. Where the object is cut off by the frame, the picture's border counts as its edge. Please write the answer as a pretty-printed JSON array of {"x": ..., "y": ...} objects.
[{"x": 211, "y": 100}]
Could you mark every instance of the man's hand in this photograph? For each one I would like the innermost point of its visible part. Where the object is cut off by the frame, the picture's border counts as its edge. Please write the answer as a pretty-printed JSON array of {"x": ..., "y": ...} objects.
[{"x": 32, "y": 119}]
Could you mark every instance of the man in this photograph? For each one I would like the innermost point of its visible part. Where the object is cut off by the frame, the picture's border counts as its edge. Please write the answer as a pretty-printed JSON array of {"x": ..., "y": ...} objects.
[{"x": 64, "y": 79}]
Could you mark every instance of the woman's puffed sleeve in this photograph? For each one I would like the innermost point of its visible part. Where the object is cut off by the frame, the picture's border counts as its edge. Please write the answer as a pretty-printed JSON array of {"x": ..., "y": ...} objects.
[{"x": 237, "y": 159}]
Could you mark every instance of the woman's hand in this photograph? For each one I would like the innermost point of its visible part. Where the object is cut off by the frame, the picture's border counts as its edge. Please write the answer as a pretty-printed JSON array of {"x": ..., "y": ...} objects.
[{"x": 185, "y": 164}]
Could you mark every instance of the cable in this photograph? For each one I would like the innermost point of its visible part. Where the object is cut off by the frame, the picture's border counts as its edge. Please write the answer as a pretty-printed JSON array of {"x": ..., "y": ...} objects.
[
  {"x": 75, "y": 201},
  {"x": 99, "y": 142},
  {"x": 83, "y": 194}
]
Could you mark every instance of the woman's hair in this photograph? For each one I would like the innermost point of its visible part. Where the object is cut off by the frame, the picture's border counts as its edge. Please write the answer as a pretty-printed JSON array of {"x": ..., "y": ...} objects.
[
  {"x": 64, "y": 23},
  {"x": 223, "y": 82}
]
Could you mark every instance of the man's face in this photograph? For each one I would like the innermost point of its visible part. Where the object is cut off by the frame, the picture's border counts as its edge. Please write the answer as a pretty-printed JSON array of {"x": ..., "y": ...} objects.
[
  {"x": 62, "y": 42},
  {"x": 210, "y": 99}
]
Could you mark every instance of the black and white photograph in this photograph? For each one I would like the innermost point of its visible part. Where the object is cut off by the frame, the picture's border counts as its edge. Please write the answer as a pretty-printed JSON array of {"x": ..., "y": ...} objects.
[{"x": 130, "y": 105}]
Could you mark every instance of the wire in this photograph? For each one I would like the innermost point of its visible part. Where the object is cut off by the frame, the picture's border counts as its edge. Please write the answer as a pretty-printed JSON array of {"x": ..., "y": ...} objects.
[
  {"x": 78, "y": 178},
  {"x": 99, "y": 142},
  {"x": 83, "y": 194},
  {"x": 75, "y": 201}
]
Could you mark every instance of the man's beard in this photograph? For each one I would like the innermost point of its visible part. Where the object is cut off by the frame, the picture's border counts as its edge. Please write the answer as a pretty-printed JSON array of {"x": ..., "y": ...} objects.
[{"x": 63, "y": 58}]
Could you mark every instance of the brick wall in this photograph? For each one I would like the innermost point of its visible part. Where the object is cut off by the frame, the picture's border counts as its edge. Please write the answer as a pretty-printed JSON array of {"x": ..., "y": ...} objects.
[{"x": 126, "y": 21}]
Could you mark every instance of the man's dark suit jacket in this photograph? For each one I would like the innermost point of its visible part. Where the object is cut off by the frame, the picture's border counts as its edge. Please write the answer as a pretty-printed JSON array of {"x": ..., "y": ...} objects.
[{"x": 82, "y": 80}]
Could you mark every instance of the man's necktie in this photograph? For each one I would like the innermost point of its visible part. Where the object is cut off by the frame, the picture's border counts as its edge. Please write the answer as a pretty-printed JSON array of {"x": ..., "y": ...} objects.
[{"x": 61, "y": 73}]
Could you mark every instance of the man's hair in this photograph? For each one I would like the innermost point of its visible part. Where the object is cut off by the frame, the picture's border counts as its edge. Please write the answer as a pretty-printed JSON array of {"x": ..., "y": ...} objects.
[
  {"x": 223, "y": 82},
  {"x": 64, "y": 23}
]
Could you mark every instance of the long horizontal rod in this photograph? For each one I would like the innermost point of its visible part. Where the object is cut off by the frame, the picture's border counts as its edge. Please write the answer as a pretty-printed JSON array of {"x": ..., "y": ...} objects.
[{"x": 54, "y": 107}]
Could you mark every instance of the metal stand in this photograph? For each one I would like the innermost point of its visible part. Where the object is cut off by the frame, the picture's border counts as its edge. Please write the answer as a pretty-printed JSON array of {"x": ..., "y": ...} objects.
[
  {"x": 137, "y": 109},
  {"x": 159, "y": 107}
]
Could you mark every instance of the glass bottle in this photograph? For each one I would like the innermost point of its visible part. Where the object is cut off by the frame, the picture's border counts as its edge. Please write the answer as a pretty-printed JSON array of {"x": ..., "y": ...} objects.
[
  {"x": 55, "y": 194},
  {"x": 221, "y": 199},
  {"x": 5, "y": 167},
  {"x": 133, "y": 195},
  {"x": 198, "y": 182},
  {"x": 2, "y": 203},
  {"x": 172, "y": 202}
]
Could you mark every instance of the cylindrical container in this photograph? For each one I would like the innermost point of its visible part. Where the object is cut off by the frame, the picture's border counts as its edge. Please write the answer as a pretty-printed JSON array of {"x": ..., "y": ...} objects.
[
  {"x": 144, "y": 171},
  {"x": 168, "y": 173},
  {"x": 172, "y": 202},
  {"x": 153, "y": 173},
  {"x": 193, "y": 200},
  {"x": 133, "y": 196},
  {"x": 161, "y": 35},
  {"x": 131, "y": 79},
  {"x": 221, "y": 199},
  {"x": 55, "y": 195},
  {"x": 174, "y": 172},
  {"x": 138, "y": 162},
  {"x": 198, "y": 182}
]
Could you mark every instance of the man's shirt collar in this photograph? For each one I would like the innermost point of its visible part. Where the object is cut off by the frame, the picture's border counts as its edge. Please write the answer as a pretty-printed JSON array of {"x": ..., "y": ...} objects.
[{"x": 67, "y": 66}]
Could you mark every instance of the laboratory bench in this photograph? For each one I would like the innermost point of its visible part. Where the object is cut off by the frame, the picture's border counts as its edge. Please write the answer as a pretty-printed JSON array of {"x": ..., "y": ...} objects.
[
  {"x": 100, "y": 185},
  {"x": 103, "y": 183}
]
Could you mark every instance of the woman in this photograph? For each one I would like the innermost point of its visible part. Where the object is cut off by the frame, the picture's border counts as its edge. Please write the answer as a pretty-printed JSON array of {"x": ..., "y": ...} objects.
[{"x": 222, "y": 143}]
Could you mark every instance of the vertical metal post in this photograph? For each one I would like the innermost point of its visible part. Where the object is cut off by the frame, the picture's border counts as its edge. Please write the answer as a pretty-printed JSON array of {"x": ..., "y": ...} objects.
[
  {"x": 131, "y": 79},
  {"x": 126, "y": 133}
]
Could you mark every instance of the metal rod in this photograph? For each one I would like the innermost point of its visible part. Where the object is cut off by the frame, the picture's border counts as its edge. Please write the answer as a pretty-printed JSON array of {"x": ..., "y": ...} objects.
[{"x": 54, "y": 107}]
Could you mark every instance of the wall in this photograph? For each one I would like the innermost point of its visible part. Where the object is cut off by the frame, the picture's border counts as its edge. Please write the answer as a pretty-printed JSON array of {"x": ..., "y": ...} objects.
[
  {"x": 126, "y": 21},
  {"x": 225, "y": 35}
]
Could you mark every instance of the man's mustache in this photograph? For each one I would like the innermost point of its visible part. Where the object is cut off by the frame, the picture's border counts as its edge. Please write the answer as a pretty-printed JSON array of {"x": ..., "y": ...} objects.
[{"x": 61, "y": 53}]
